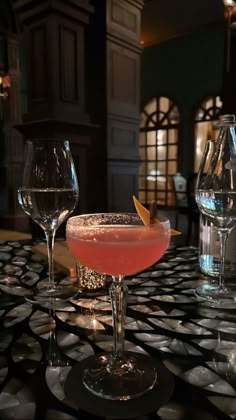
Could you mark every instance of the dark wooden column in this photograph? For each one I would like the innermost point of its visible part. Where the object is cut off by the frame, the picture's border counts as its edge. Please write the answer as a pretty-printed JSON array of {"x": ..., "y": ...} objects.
[
  {"x": 229, "y": 71},
  {"x": 13, "y": 142},
  {"x": 229, "y": 82},
  {"x": 114, "y": 72},
  {"x": 123, "y": 101},
  {"x": 83, "y": 83},
  {"x": 53, "y": 35}
]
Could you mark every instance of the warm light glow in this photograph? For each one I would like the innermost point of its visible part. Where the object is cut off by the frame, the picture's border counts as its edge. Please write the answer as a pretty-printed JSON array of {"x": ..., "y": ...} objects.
[
  {"x": 160, "y": 137},
  {"x": 228, "y": 3},
  {"x": 5, "y": 83},
  {"x": 199, "y": 148},
  {"x": 229, "y": 6}
]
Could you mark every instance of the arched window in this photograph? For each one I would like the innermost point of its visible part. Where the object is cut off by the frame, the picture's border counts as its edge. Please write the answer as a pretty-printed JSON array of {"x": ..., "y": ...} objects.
[
  {"x": 158, "y": 148},
  {"x": 206, "y": 126}
]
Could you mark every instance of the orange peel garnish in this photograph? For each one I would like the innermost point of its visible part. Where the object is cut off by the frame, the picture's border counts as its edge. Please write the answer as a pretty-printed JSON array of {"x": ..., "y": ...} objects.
[{"x": 144, "y": 215}]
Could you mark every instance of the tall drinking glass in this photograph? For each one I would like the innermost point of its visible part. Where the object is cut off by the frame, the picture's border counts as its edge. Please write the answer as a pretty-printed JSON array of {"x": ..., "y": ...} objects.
[
  {"x": 216, "y": 195},
  {"x": 49, "y": 193},
  {"x": 118, "y": 244}
]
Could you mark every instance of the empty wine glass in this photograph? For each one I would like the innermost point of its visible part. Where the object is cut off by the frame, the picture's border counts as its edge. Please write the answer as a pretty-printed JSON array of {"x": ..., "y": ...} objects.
[
  {"x": 216, "y": 195},
  {"x": 206, "y": 262},
  {"x": 48, "y": 194},
  {"x": 118, "y": 244}
]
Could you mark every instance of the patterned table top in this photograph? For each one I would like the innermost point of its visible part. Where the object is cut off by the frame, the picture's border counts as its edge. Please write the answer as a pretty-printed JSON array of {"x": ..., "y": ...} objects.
[{"x": 194, "y": 340}]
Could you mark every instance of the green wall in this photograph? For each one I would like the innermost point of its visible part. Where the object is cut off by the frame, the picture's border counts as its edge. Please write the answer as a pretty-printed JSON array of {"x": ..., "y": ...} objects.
[{"x": 186, "y": 69}]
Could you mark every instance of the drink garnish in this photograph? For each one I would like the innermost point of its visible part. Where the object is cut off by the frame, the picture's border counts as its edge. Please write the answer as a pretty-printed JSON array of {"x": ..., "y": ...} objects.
[
  {"x": 148, "y": 217},
  {"x": 153, "y": 213}
]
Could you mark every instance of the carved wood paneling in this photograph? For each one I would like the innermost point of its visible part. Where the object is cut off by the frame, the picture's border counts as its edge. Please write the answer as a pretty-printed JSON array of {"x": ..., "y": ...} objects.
[
  {"x": 56, "y": 70},
  {"x": 13, "y": 54},
  {"x": 16, "y": 148},
  {"x": 30, "y": 10},
  {"x": 39, "y": 64},
  {"x": 12, "y": 150},
  {"x": 69, "y": 64},
  {"x": 123, "y": 137},
  {"x": 123, "y": 78},
  {"x": 54, "y": 37},
  {"x": 122, "y": 184},
  {"x": 123, "y": 19},
  {"x": 14, "y": 177},
  {"x": 123, "y": 96},
  {"x": 13, "y": 101},
  {"x": 123, "y": 83}
]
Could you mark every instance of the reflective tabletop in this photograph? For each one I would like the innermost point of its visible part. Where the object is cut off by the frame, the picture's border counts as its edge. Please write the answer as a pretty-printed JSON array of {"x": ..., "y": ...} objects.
[{"x": 193, "y": 340}]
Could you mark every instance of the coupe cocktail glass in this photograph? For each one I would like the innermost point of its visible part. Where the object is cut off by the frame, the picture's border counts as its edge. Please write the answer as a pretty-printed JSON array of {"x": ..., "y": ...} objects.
[{"x": 118, "y": 244}]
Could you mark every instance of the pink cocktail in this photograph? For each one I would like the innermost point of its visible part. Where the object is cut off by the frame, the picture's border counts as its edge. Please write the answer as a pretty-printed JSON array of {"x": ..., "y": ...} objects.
[
  {"x": 118, "y": 244},
  {"x": 118, "y": 250}
]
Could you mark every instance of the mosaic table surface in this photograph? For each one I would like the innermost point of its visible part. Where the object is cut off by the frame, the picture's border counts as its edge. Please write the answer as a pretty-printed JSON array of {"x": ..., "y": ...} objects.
[{"x": 195, "y": 340}]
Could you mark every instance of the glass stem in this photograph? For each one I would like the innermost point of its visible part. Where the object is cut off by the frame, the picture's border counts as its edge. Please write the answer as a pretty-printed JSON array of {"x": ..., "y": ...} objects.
[
  {"x": 52, "y": 356},
  {"x": 118, "y": 293},
  {"x": 50, "y": 236},
  {"x": 223, "y": 235}
]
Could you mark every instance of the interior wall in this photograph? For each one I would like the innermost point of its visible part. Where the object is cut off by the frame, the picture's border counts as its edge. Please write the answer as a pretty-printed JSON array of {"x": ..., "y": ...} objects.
[{"x": 186, "y": 69}]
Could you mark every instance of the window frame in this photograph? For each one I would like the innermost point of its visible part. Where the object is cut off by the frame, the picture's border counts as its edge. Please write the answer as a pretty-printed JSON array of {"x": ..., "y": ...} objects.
[{"x": 165, "y": 122}]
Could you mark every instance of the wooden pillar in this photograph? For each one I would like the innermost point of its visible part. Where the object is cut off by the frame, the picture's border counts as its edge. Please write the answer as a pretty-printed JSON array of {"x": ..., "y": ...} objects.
[
  {"x": 55, "y": 58},
  {"x": 117, "y": 49},
  {"x": 54, "y": 37},
  {"x": 229, "y": 70},
  {"x": 83, "y": 83},
  {"x": 229, "y": 84},
  {"x": 123, "y": 101},
  {"x": 13, "y": 142}
]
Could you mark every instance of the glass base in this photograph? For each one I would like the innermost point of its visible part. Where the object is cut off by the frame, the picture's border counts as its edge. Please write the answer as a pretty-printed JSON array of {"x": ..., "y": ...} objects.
[
  {"x": 217, "y": 294},
  {"x": 56, "y": 362},
  {"x": 206, "y": 291},
  {"x": 130, "y": 376},
  {"x": 43, "y": 294}
]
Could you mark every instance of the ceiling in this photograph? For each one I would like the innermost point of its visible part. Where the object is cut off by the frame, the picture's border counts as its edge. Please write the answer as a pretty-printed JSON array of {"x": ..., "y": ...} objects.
[{"x": 165, "y": 19}]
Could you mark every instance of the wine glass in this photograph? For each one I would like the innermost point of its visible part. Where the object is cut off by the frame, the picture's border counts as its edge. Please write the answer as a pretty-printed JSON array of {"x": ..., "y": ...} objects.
[
  {"x": 207, "y": 262},
  {"x": 118, "y": 244},
  {"x": 216, "y": 195},
  {"x": 48, "y": 194}
]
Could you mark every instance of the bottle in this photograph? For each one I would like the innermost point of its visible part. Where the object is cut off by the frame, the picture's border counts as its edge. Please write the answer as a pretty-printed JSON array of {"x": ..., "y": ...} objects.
[
  {"x": 180, "y": 186},
  {"x": 209, "y": 250},
  {"x": 209, "y": 242}
]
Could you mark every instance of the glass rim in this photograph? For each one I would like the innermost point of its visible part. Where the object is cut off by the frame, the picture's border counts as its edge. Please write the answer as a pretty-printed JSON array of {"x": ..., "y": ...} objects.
[{"x": 161, "y": 221}]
